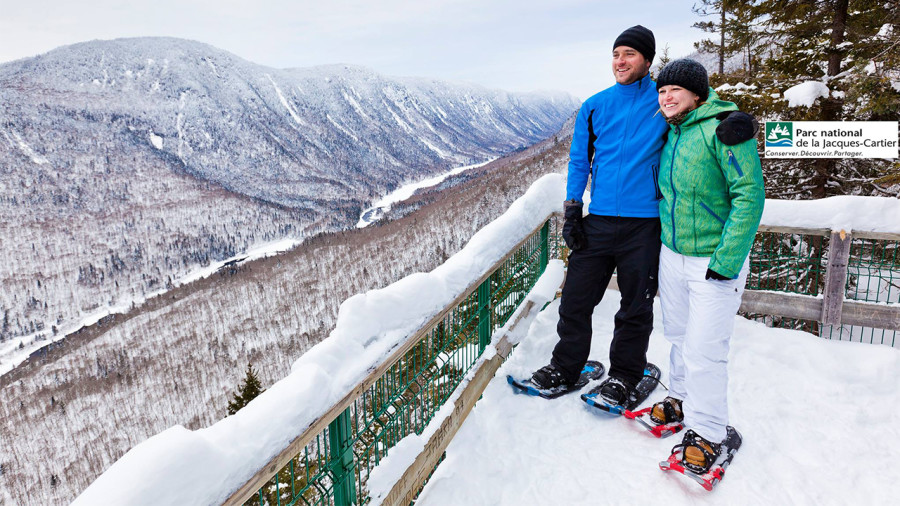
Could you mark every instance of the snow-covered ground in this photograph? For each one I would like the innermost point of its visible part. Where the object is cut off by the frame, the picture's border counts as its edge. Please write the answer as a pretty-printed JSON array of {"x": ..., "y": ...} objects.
[
  {"x": 383, "y": 205},
  {"x": 11, "y": 354},
  {"x": 818, "y": 419}
]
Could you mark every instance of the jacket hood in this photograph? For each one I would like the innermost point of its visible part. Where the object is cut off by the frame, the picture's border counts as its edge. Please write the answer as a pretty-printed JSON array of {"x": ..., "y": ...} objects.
[{"x": 709, "y": 109}]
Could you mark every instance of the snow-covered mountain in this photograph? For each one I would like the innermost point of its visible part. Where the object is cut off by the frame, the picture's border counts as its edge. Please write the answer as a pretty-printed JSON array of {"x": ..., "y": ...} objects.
[
  {"x": 127, "y": 164},
  {"x": 298, "y": 137}
]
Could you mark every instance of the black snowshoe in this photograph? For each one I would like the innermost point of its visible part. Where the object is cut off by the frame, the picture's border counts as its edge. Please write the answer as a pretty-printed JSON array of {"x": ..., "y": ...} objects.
[
  {"x": 616, "y": 396},
  {"x": 548, "y": 381}
]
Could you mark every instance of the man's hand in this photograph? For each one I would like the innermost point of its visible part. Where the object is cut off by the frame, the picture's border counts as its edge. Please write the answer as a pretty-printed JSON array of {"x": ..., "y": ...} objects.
[
  {"x": 736, "y": 127},
  {"x": 573, "y": 228}
]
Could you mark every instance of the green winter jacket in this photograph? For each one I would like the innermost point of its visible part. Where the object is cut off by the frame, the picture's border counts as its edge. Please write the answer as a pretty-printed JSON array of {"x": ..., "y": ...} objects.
[{"x": 713, "y": 194}]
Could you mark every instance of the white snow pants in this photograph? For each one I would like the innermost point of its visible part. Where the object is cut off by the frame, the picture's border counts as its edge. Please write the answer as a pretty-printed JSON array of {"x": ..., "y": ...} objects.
[{"x": 698, "y": 319}]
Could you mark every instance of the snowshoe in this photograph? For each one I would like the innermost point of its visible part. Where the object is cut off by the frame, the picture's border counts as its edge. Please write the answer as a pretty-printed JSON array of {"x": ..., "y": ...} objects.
[
  {"x": 616, "y": 396},
  {"x": 662, "y": 419},
  {"x": 701, "y": 460},
  {"x": 548, "y": 382}
]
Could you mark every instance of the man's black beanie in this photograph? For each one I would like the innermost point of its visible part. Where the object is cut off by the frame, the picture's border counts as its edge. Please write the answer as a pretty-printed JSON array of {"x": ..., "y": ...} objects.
[
  {"x": 640, "y": 38},
  {"x": 688, "y": 74}
]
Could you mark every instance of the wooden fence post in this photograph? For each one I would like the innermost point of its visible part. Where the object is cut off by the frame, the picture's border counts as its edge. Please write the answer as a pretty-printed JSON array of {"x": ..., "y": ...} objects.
[{"x": 836, "y": 277}]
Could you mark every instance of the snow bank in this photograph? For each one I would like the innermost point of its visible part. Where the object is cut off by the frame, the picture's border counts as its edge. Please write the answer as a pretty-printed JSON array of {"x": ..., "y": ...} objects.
[
  {"x": 179, "y": 466},
  {"x": 846, "y": 212},
  {"x": 815, "y": 415},
  {"x": 805, "y": 94}
]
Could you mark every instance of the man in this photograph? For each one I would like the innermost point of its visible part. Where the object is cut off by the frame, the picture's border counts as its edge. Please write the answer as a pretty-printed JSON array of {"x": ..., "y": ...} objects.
[{"x": 617, "y": 141}]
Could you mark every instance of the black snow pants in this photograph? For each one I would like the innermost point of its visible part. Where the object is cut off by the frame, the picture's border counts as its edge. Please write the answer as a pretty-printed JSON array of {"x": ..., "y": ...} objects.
[{"x": 631, "y": 247}]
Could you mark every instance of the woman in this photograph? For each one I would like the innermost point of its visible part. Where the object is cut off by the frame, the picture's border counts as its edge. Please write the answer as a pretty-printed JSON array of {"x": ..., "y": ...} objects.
[{"x": 712, "y": 202}]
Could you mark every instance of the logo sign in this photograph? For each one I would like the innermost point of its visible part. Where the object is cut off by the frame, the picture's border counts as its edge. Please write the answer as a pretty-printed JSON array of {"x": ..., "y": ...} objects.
[
  {"x": 779, "y": 134},
  {"x": 831, "y": 139}
]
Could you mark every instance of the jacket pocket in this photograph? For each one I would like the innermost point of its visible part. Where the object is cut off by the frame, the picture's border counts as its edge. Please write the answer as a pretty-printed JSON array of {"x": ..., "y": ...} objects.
[
  {"x": 734, "y": 163},
  {"x": 711, "y": 212},
  {"x": 654, "y": 169}
]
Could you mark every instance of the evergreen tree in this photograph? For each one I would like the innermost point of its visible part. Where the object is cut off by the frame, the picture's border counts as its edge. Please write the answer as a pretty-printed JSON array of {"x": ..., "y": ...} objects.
[
  {"x": 247, "y": 391},
  {"x": 737, "y": 24},
  {"x": 744, "y": 28},
  {"x": 664, "y": 60},
  {"x": 718, "y": 9}
]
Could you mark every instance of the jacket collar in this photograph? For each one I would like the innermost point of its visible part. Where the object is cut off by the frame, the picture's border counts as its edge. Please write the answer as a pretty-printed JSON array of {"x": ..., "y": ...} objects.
[{"x": 641, "y": 85}]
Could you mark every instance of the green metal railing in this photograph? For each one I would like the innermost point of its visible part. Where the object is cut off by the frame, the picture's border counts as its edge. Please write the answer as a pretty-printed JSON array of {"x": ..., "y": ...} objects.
[
  {"x": 334, "y": 468},
  {"x": 795, "y": 263}
]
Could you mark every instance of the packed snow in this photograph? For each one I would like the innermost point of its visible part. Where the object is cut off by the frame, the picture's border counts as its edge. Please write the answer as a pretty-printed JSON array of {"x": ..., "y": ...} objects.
[
  {"x": 817, "y": 418},
  {"x": 845, "y": 212},
  {"x": 806, "y": 93},
  {"x": 180, "y": 466},
  {"x": 383, "y": 205},
  {"x": 15, "y": 351}
]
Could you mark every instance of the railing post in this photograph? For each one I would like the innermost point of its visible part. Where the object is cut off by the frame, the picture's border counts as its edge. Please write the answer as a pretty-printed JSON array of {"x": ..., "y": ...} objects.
[
  {"x": 836, "y": 277},
  {"x": 339, "y": 437},
  {"x": 545, "y": 246},
  {"x": 485, "y": 328}
]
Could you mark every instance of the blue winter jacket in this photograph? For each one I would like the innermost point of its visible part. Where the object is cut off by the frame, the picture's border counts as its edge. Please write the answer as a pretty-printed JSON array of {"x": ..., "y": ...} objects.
[{"x": 617, "y": 141}]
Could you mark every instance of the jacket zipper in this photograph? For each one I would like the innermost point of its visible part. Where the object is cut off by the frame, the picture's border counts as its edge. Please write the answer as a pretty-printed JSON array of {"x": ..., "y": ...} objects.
[
  {"x": 622, "y": 148},
  {"x": 733, "y": 161},
  {"x": 672, "y": 183}
]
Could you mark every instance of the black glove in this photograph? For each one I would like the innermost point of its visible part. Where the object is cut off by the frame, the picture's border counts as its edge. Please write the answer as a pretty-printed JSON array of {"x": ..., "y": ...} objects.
[
  {"x": 573, "y": 228},
  {"x": 736, "y": 127},
  {"x": 711, "y": 274}
]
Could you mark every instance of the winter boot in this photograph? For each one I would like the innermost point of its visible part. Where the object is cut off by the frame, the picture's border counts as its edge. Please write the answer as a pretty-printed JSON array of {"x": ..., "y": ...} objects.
[
  {"x": 548, "y": 377},
  {"x": 698, "y": 453},
  {"x": 667, "y": 411},
  {"x": 615, "y": 391}
]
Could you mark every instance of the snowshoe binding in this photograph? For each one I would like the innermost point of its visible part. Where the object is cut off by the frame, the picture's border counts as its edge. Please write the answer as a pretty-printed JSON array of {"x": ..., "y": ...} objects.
[
  {"x": 703, "y": 461},
  {"x": 662, "y": 419},
  {"x": 616, "y": 396},
  {"x": 548, "y": 381}
]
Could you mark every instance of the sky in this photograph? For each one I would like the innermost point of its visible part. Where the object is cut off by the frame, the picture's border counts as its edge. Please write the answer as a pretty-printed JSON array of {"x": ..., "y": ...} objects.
[{"x": 516, "y": 45}]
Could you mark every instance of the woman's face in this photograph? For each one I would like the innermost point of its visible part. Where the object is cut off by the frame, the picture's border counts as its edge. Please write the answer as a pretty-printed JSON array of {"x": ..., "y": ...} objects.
[{"x": 674, "y": 99}]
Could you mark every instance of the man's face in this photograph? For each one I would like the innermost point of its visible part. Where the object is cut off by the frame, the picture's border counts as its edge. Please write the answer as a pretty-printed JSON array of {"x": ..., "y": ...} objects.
[{"x": 629, "y": 65}]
